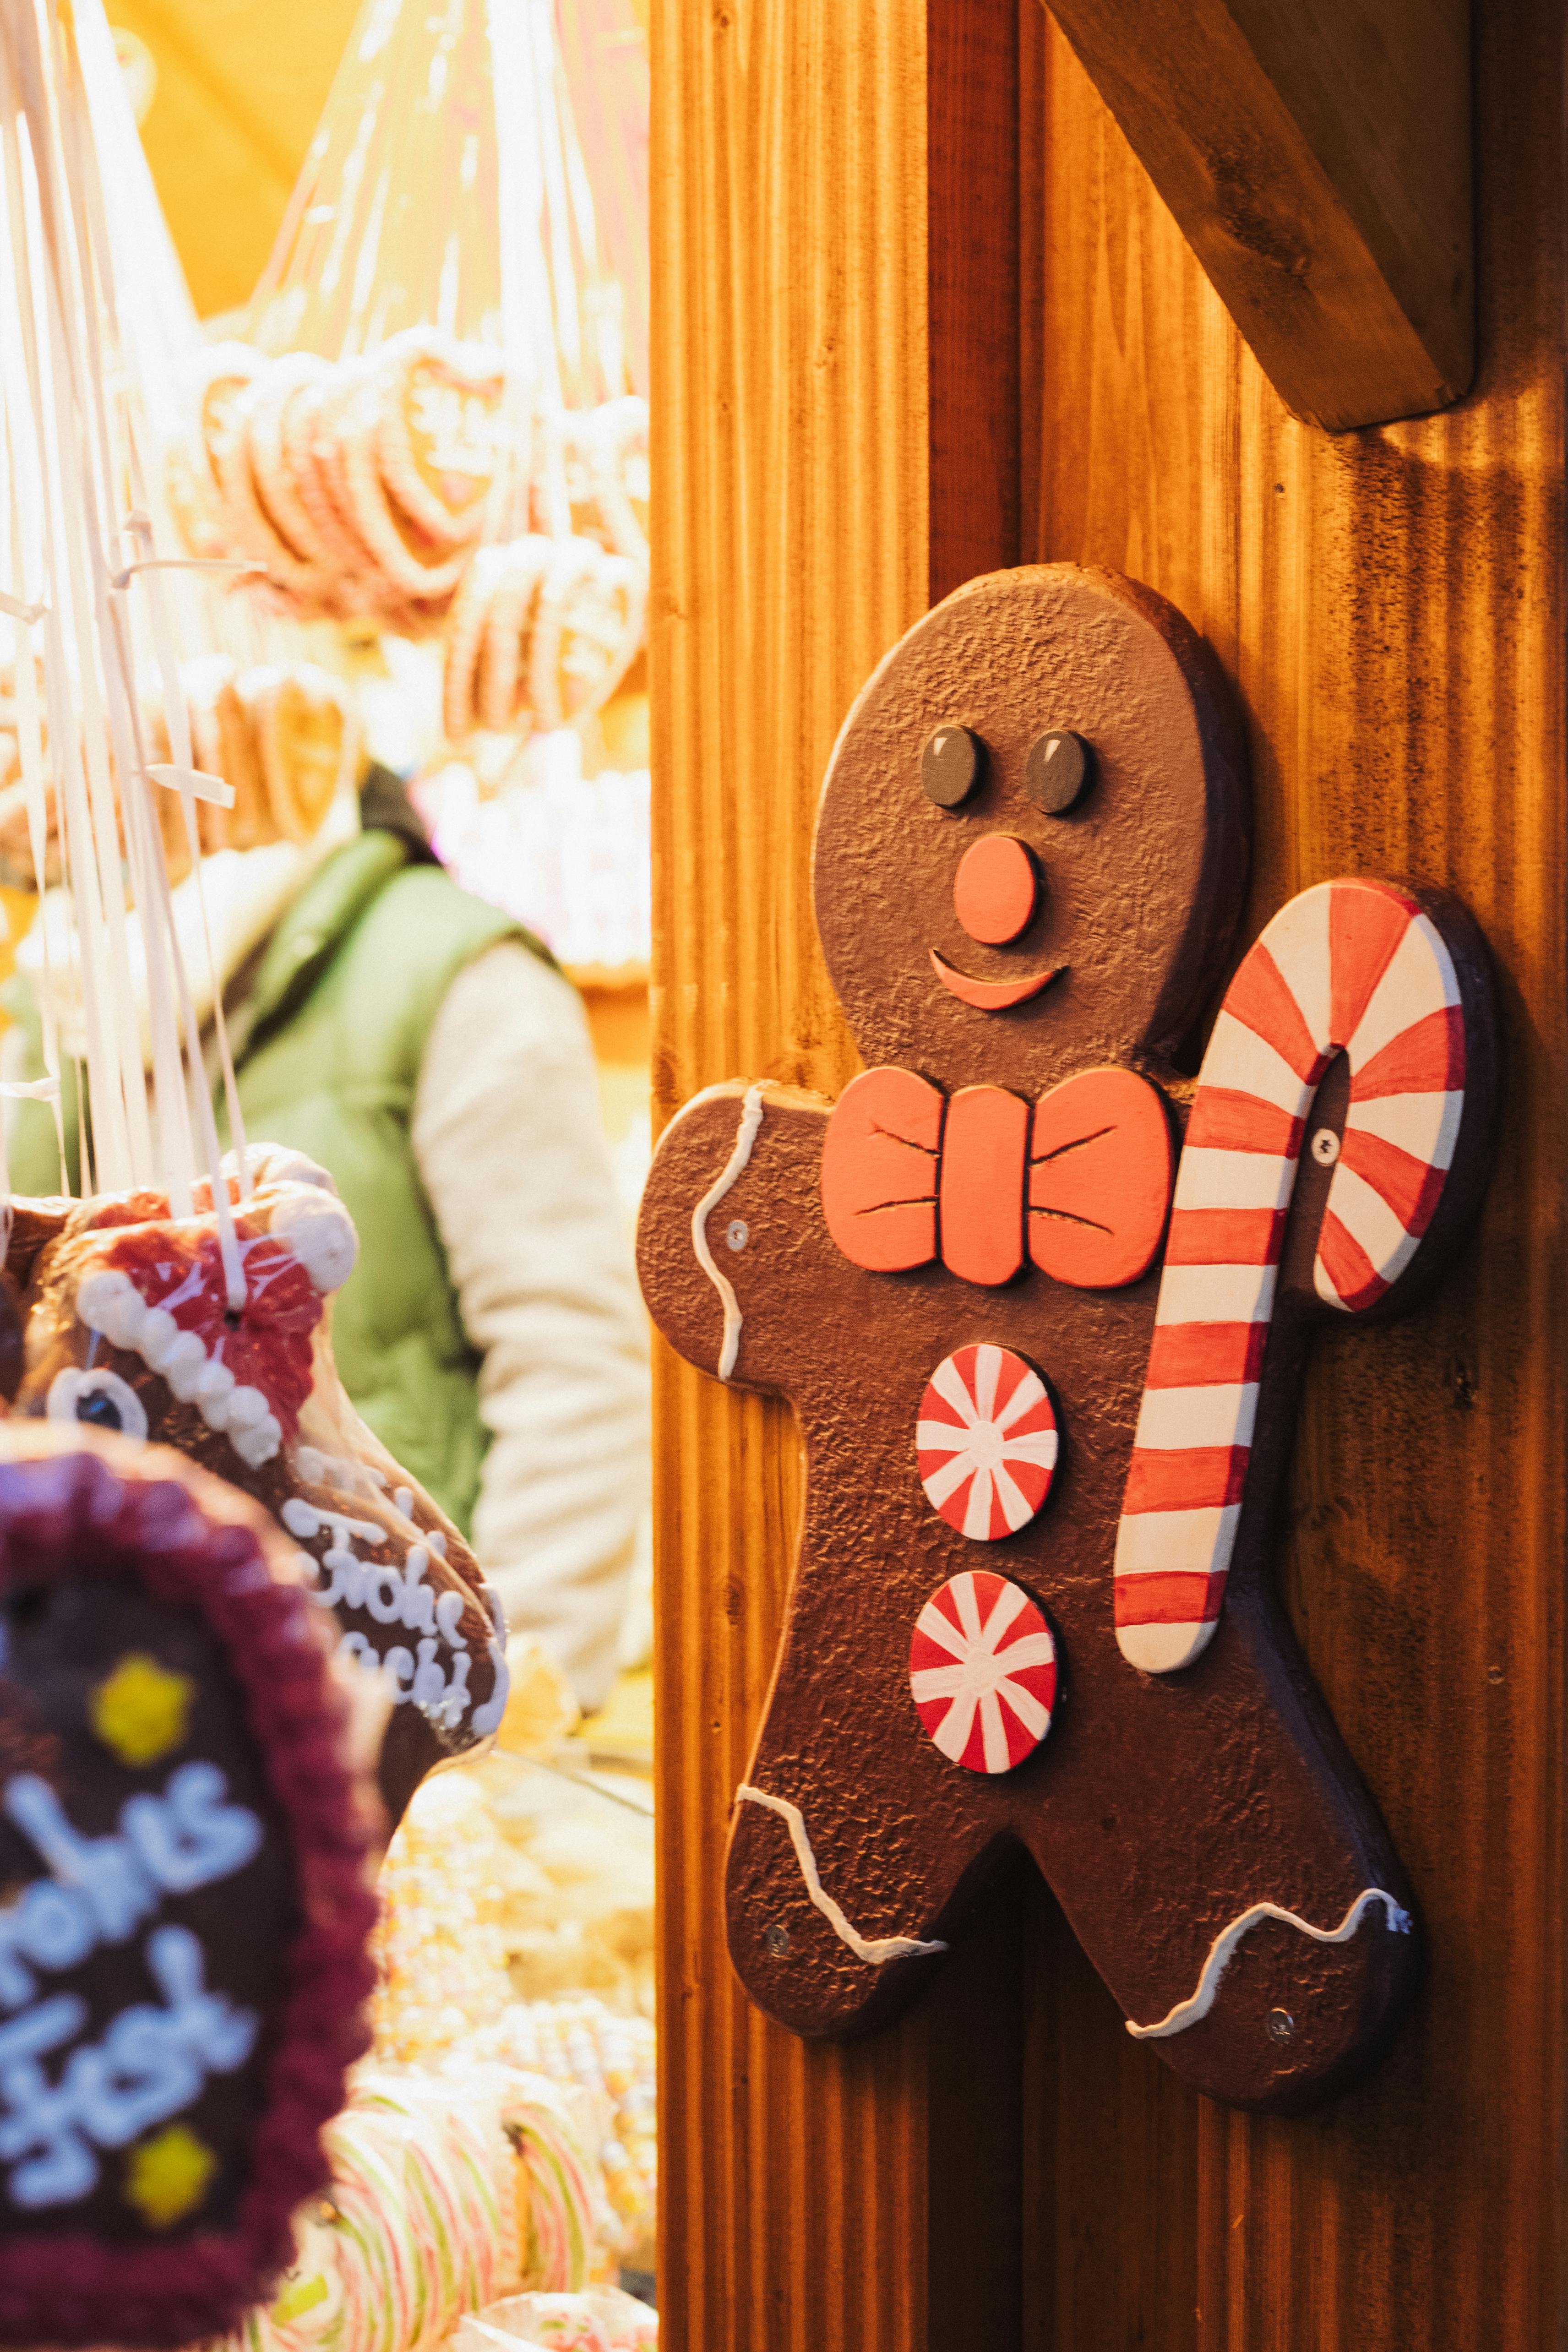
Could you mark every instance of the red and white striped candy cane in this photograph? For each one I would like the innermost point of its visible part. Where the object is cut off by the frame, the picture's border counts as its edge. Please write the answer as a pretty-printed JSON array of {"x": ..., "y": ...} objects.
[{"x": 1350, "y": 967}]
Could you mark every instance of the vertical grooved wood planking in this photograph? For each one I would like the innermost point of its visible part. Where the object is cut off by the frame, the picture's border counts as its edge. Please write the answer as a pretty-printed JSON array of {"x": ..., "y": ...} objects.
[
  {"x": 790, "y": 398},
  {"x": 1390, "y": 606}
]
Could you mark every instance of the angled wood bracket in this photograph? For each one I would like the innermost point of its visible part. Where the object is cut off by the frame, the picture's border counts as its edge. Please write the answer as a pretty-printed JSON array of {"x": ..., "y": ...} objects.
[{"x": 1317, "y": 155}]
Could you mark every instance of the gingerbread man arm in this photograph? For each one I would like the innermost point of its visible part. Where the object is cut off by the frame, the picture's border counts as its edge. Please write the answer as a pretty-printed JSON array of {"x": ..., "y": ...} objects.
[{"x": 729, "y": 1235}]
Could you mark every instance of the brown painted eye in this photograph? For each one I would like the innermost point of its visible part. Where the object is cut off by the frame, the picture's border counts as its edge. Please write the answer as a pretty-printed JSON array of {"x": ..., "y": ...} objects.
[
  {"x": 952, "y": 764},
  {"x": 1057, "y": 772}
]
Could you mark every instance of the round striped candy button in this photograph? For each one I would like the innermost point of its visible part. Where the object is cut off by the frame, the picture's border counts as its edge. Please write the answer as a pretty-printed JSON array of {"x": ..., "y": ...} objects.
[
  {"x": 983, "y": 1672},
  {"x": 986, "y": 1441}
]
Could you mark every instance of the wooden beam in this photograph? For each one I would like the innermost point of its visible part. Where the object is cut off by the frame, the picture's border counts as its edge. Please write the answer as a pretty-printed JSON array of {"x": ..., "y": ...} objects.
[
  {"x": 1392, "y": 608},
  {"x": 1316, "y": 154},
  {"x": 835, "y": 381}
]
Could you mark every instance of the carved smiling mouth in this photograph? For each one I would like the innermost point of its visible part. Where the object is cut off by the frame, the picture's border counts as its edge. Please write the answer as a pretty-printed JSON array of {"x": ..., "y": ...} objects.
[{"x": 992, "y": 995}]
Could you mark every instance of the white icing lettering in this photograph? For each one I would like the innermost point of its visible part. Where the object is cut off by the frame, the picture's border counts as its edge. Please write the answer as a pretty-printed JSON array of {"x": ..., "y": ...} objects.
[
  {"x": 102, "y": 1888},
  {"x": 304, "y": 1521},
  {"x": 190, "y": 1836},
  {"x": 150, "y": 2064},
  {"x": 448, "y": 1709},
  {"x": 443, "y": 1700}
]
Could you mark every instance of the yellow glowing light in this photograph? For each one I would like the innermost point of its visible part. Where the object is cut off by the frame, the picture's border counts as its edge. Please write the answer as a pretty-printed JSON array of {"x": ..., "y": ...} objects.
[{"x": 140, "y": 1710}]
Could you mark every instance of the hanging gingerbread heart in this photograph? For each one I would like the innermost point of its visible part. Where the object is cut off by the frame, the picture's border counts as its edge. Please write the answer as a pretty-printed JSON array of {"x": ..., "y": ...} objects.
[
  {"x": 129, "y": 1328},
  {"x": 184, "y": 1840}
]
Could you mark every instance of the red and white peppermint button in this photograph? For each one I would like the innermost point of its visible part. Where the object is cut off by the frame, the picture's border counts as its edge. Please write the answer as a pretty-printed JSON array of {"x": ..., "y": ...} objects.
[
  {"x": 986, "y": 1441},
  {"x": 983, "y": 1672}
]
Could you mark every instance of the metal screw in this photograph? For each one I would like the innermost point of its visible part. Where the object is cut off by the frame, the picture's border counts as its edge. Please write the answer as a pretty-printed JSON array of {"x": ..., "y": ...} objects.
[
  {"x": 1494, "y": 1673},
  {"x": 1281, "y": 2025},
  {"x": 776, "y": 1939},
  {"x": 737, "y": 1232},
  {"x": 1325, "y": 1146}
]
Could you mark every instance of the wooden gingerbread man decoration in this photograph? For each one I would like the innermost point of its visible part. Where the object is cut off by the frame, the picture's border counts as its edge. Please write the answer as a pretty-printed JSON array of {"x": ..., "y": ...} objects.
[{"x": 1041, "y": 1306}]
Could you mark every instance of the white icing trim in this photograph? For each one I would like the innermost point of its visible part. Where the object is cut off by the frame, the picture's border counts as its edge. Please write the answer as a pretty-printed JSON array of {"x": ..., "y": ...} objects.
[
  {"x": 750, "y": 1120},
  {"x": 321, "y": 1234},
  {"x": 70, "y": 1386},
  {"x": 874, "y": 1951},
  {"x": 109, "y": 1302},
  {"x": 1223, "y": 1949}
]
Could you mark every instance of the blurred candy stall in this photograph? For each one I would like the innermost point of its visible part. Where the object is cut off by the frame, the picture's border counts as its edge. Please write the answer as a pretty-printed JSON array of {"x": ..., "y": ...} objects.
[{"x": 391, "y": 510}]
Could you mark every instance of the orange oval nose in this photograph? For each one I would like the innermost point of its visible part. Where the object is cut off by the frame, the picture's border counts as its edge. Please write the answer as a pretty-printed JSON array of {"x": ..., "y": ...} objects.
[{"x": 996, "y": 889}]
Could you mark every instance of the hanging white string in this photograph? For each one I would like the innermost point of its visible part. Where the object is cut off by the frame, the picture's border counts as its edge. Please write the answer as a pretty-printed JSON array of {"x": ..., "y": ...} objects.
[
  {"x": 73, "y": 463},
  {"x": 160, "y": 944},
  {"x": 25, "y": 360},
  {"x": 30, "y": 746},
  {"x": 535, "y": 396}
]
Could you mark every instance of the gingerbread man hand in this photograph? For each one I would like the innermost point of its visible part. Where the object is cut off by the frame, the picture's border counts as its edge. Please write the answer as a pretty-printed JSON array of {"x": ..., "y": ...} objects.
[{"x": 1046, "y": 1425}]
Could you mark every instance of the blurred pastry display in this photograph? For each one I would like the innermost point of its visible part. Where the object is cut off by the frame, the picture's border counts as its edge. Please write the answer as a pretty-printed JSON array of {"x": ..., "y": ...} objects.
[
  {"x": 284, "y": 738},
  {"x": 542, "y": 632},
  {"x": 516, "y": 1927},
  {"x": 364, "y": 487}
]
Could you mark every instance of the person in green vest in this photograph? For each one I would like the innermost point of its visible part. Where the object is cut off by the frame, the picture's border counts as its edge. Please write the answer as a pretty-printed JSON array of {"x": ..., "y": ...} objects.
[{"x": 425, "y": 1050}]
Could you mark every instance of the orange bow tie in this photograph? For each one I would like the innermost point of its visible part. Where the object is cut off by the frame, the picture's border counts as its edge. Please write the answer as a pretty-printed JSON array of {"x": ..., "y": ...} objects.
[{"x": 1082, "y": 1183}]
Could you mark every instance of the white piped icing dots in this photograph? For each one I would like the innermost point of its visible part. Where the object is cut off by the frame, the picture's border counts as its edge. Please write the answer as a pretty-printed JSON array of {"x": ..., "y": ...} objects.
[
  {"x": 109, "y": 1302},
  {"x": 320, "y": 1232}
]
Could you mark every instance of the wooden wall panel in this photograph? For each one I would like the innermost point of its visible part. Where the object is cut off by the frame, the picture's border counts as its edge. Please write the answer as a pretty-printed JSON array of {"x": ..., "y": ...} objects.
[
  {"x": 1391, "y": 606},
  {"x": 789, "y": 365}
]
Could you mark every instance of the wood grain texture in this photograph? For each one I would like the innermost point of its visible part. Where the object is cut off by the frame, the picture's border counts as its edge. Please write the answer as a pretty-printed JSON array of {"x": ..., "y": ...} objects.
[
  {"x": 1317, "y": 158},
  {"x": 802, "y": 2205},
  {"x": 1392, "y": 605}
]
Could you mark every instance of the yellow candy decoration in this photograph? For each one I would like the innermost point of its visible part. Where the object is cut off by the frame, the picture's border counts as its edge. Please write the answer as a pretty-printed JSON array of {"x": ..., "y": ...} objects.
[
  {"x": 167, "y": 2176},
  {"x": 140, "y": 1710}
]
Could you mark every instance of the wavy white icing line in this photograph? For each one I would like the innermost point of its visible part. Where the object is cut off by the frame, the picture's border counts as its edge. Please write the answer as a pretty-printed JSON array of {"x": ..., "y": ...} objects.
[
  {"x": 1222, "y": 1950},
  {"x": 750, "y": 1120},
  {"x": 875, "y": 1951}
]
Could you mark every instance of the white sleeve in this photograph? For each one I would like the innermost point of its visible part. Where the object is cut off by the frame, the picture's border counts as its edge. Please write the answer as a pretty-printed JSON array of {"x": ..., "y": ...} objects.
[{"x": 511, "y": 1147}]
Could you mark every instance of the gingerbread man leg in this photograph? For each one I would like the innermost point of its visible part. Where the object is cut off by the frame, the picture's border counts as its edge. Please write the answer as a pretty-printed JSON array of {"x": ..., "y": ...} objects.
[{"x": 1232, "y": 1884}]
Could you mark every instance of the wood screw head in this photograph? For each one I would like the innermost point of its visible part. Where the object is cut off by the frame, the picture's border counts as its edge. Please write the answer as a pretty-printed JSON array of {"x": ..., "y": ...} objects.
[{"x": 776, "y": 1939}]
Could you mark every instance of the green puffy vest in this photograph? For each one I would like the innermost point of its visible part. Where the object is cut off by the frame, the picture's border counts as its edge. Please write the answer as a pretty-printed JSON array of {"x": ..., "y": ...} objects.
[{"x": 334, "y": 1035}]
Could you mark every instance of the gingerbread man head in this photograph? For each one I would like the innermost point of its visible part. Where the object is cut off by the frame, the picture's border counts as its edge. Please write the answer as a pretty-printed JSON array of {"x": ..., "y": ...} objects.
[
  {"x": 1032, "y": 846},
  {"x": 1041, "y": 1309}
]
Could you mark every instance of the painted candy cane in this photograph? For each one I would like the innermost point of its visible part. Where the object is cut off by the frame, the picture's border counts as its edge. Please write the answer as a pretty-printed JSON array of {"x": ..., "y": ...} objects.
[{"x": 1350, "y": 967}]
